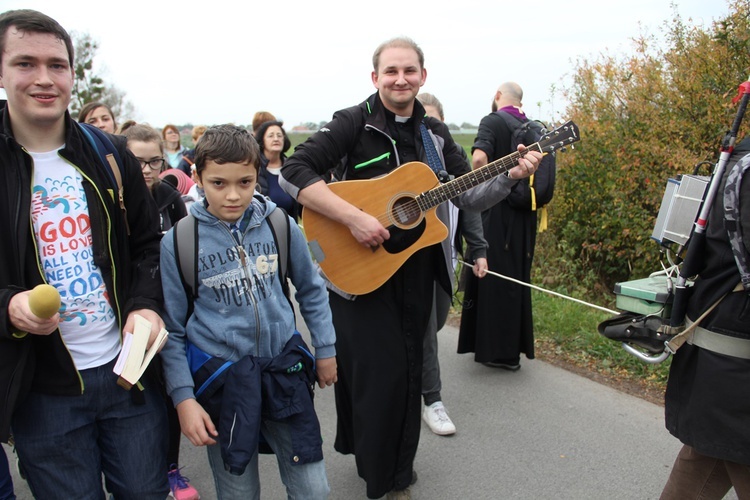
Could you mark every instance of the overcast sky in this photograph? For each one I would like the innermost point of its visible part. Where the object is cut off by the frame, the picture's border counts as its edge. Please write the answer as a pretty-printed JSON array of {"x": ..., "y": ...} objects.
[{"x": 219, "y": 61}]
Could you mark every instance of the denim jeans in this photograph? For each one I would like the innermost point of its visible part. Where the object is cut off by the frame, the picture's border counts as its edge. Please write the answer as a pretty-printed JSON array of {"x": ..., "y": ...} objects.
[
  {"x": 66, "y": 443},
  {"x": 305, "y": 481},
  {"x": 6, "y": 481}
]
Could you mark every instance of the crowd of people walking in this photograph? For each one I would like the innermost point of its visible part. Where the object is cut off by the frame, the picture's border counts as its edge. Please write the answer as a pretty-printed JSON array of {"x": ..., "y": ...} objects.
[{"x": 205, "y": 238}]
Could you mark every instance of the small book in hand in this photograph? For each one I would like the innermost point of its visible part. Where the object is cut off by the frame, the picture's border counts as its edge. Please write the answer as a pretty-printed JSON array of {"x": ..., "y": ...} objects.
[{"x": 134, "y": 357}]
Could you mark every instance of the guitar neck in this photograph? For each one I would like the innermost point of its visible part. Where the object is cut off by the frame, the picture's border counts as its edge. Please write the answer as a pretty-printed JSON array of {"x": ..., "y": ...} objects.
[{"x": 450, "y": 190}]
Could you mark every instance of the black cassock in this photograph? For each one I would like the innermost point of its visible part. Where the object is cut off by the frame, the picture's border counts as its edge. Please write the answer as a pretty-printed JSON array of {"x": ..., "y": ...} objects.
[
  {"x": 496, "y": 319},
  {"x": 379, "y": 355}
]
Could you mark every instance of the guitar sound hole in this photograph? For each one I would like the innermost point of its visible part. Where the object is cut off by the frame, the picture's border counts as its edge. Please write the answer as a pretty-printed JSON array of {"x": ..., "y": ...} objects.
[{"x": 405, "y": 212}]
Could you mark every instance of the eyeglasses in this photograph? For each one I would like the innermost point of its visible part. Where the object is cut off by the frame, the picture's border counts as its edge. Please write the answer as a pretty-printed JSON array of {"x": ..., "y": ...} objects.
[{"x": 154, "y": 164}]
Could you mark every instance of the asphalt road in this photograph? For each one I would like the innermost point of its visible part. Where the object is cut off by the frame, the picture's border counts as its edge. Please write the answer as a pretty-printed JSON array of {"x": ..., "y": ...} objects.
[{"x": 539, "y": 433}]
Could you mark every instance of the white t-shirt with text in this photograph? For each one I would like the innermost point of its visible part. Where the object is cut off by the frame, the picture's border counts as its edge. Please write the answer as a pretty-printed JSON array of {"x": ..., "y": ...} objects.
[{"x": 60, "y": 215}]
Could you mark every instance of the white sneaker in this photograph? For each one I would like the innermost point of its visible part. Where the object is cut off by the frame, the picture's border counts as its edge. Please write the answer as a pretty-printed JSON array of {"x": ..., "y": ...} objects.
[
  {"x": 404, "y": 494},
  {"x": 438, "y": 420}
]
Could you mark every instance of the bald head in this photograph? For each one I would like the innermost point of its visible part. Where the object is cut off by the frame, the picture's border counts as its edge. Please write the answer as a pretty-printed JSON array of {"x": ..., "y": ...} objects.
[
  {"x": 508, "y": 94},
  {"x": 512, "y": 91}
]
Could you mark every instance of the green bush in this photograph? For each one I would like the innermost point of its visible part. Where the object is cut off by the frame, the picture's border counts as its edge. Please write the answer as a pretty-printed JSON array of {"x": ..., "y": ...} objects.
[{"x": 643, "y": 118}]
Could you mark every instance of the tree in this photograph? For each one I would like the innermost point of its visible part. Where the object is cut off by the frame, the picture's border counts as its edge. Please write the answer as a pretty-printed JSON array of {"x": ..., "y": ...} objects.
[
  {"x": 643, "y": 118},
  {"x": 89, "y": 86}
]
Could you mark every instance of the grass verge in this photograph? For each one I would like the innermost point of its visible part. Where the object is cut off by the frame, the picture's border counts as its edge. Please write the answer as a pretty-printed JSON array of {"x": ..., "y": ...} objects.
[{"x": 566, "y": 334}]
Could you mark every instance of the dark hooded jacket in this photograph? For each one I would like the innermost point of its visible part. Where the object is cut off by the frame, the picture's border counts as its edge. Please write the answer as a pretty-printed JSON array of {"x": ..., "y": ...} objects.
[
  {"x": 170, "y": 205},
  {"x": 708, "y": 394},
  {"x": 280, "y": 389}
]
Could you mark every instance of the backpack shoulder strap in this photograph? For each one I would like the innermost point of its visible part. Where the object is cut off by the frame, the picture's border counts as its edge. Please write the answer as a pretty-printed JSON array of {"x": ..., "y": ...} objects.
[
  {"x": 538, "y": 126},
  {"x": 110, "y": 159},
  {"x": 511, "y": 121},
  {"x": 732, "y": 221},
  {"x": 186, "y": 249},
  {"x": 279, "y": 222},
  {"x": 186, "y": 253},
  {"x": 106, "y": 151}
]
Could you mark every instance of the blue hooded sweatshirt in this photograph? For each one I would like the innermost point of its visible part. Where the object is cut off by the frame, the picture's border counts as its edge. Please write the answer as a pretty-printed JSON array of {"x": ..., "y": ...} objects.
[{"x": 239, "y": 311}]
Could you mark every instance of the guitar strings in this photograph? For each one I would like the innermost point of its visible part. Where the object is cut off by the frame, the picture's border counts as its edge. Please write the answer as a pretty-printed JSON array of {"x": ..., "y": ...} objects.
[{"x": 411, "y": 210}]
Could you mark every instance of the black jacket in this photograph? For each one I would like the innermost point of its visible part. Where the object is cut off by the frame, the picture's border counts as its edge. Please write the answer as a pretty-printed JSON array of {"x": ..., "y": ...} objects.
[
  {"x": 170, "y": 205},
  {"x": 129, "y": 264},
  {"x": 359, "y": 136},
  {"x": 356, "y": 142},
  {"x": 708, "y": 394},
  {"x": 296, "y": 209}
]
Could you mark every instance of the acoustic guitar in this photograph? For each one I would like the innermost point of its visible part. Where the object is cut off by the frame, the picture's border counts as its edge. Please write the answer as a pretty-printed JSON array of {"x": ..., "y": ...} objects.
[{"x": 405, "y": 202}]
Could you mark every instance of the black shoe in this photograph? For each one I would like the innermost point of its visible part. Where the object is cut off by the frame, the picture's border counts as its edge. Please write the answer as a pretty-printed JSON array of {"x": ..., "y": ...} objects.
[{"x": 512, "y": 367}]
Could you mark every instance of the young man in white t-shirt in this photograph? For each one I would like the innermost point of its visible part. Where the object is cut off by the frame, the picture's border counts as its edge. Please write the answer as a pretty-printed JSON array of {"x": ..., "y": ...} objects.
[{"x": 62, "y": 224}]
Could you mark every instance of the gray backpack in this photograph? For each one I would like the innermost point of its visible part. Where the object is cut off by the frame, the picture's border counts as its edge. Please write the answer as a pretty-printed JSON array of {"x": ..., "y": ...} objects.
[{"x": 732, "y": 219}]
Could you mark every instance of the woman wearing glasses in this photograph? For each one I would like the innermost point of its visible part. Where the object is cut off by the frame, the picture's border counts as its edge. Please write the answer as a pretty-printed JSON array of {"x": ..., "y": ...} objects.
[
  {"x": 274, "y": 143},
  {"x": 146, "y": 144}
]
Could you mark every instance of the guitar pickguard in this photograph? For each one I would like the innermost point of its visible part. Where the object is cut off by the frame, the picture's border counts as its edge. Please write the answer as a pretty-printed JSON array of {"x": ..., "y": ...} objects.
[{"x": 401, "y": 239}]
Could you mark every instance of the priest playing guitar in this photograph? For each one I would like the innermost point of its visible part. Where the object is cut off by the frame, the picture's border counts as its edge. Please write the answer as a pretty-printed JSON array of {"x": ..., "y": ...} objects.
[{"x": 381, "y": 245}]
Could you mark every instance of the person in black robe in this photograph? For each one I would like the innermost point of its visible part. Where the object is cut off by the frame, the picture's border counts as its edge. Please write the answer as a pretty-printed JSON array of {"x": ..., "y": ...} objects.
[
  {"x": 379, "y": 335},
  {"x": 496, "y": 317}
]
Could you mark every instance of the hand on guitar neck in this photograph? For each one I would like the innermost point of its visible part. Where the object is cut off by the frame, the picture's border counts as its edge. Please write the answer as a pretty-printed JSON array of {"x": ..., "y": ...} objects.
[
  {"x": 527, "y": 164},
  {"x": 523, "y": 169}
]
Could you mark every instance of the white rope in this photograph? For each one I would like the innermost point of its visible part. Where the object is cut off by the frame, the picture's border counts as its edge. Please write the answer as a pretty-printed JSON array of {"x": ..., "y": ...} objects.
[{"x": 545, "y": 291}]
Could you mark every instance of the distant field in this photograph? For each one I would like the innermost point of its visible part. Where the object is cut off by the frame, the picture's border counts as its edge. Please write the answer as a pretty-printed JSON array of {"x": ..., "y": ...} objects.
[{"x": 465, "y": 140}]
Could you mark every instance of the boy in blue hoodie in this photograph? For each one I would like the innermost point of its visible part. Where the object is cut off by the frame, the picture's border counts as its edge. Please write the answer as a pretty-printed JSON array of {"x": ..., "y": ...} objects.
[{"x": 233, "y": 352}]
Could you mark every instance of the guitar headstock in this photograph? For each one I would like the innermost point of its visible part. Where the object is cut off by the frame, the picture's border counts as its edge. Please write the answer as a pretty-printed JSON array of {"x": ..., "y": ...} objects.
[{"x": 562, "y": 136}]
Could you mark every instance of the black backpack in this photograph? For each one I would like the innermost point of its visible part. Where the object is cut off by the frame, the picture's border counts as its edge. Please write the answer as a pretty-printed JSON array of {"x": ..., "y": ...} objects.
[
  {"x": 536, "y": 191},
  {"x": 110, "y": 159}
]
